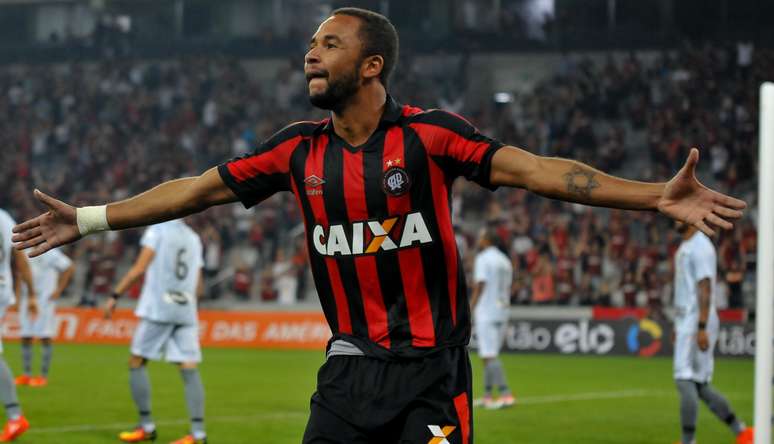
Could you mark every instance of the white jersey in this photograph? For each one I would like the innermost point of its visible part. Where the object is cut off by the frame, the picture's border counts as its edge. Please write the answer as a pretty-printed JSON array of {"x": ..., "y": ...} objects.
[
  {"x": 695, "y": 261},
  {"x": 494, "y": 269},
  {"x": 7, "y": 296},
  {"x": 46, "y": 269},
  {"x": 169, "y": 291}
]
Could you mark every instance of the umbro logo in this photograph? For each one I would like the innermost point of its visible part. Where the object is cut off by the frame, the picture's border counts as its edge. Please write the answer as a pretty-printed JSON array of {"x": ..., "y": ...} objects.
[
  {"x": 313, "y": 184},
  {"x": 440, "y": 434},
  {"x": 313, "y": 181}
]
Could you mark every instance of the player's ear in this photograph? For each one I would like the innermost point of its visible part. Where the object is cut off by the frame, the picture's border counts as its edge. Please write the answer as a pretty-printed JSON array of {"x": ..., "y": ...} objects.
[{"x": 372, "y": 67}]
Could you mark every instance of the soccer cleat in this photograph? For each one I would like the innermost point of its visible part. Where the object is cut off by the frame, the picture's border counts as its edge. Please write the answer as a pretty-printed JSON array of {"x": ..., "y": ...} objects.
[
  {"x": 14, "y": 429},
  {"x": 22, "y": 380},
  {"x": 488, "y": 403},
  {"x": 189, "y": 439},
  {"x": 38, "y": 381},
  {"x": 507, "y": 400},
  {"x": 137, "y": 435},
  {"x": 480, "y": 402},
  {"x": 746, "y": 437}
]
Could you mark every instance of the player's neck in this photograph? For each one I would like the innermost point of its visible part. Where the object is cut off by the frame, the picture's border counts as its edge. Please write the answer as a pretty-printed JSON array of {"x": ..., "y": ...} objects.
[{"x": 359, "y": 119}]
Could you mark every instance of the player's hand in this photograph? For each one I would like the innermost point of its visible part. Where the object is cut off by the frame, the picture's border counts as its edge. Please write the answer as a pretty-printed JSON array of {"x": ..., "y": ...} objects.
[
  {"x": 687, "y": 200},
  {"x": 54, "y": 228},
  {"x": 702, "y": 340},
  {"x": 32, "y": 305},
  {"x": 110, "y": 306},
  {"x": 673, "y": 337}
]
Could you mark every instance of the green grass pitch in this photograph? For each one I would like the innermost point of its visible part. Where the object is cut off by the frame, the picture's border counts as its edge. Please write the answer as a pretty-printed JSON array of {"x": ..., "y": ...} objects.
[{"x": 261, "y": 396}]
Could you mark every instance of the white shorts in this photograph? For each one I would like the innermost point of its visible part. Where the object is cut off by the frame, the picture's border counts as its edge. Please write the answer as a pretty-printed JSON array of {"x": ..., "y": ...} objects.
[
  {"x": 43, "y": 325},
  {"x": 690, "y": 363},
  {"x": 490, "y": 337},
  {"x": 174, "y": 342}
]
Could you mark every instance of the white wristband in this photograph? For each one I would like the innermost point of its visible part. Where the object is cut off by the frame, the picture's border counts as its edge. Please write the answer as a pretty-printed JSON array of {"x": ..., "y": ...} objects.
[{"x": 91, "y": 219}]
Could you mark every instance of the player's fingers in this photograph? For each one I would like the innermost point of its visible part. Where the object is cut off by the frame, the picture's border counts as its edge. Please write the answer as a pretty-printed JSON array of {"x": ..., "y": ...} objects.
[
  {"x": 690, "y": 163},
  {"x": 731, "y": 202},
  {"x": 727, "y": 213},
  {"x": 32, "y": 223},
  {"x": 704, "y": 228},
  {"x": 26, "y": 234},
  {"x": 37, "y": 240},
  {"x": 40, "y": 249},
  {"x": 718, "y": 222},
  {"x": 46, "y": 199}
]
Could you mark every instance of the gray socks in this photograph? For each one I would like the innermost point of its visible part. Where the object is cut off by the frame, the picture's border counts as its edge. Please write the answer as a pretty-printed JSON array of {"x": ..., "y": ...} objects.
[
  {"x": 140, "y": 387},
  {"x": 689, "y": 409},
  {"x": 494, "y": 376},
  {"x": 8, "y": 391},
  {"x": 27, "y": 355},
  {"x": 45, "y": 362},
  {"x": 720, "y": 407},
  {"x": 194, "y": 397},
  {"x": 690, "y": 392}
]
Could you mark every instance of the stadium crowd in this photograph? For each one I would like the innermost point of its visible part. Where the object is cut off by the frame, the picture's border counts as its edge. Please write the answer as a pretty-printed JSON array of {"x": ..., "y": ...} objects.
[{"x": 92, "y": 133}]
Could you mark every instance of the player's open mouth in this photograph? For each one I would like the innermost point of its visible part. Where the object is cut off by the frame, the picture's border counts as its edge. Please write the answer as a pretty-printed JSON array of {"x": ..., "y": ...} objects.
[{"x": 316, "y": 75}]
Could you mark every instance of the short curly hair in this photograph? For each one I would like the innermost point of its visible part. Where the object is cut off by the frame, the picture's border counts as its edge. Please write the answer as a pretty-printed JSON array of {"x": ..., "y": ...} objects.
[{"x": 379, "y": 38}]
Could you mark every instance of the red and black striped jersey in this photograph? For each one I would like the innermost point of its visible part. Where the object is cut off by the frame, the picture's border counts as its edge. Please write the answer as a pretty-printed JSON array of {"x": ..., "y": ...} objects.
[{"x": 378, "y": 222}]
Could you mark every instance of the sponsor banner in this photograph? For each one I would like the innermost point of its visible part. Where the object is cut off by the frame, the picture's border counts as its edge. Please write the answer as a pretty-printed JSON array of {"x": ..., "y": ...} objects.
[
  {"x": 618, "y": 313},
  {"x": 300, "y": 330},
  {"x": 634, "y": 337}
]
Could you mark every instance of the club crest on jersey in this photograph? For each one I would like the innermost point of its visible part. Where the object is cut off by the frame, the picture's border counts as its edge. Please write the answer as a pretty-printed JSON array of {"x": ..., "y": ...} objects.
[
  {"x": 371, "y": 236},
  {"x": 313, "y": 184},
  {"x": 396, "y": 181}
]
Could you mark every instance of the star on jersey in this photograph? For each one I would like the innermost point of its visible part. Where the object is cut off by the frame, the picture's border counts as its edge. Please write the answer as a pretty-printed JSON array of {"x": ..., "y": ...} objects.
[{"x": 393, "y": 162}]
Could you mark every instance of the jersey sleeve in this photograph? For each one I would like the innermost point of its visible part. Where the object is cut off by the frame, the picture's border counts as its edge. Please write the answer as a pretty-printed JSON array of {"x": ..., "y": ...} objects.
[
  {"x": 456, "y": 145},
  {"x": 256, "y": 176},
  {"x": 479, "y": 270},
  {"x": 703, "y": 262},
  {"x": 151, "y": 238},
  {"x": 60, "y": 261}
]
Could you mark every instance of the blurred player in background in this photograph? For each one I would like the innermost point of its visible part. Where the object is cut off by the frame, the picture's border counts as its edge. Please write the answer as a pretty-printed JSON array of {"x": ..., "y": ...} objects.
[
  {"x": 490, "y": 301},
  {"x": 12, "y": 264},
  {"x": 51, "y": 273},
  {"x": 171, "y": 260},
  {"x": 696, "y": 332},
  {"x": 373, "y": 183}
]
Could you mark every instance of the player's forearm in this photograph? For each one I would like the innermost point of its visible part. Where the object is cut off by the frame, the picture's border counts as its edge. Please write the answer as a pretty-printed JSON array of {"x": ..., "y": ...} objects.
[
  {"x": 200, "y": 286},
  {"x": 128, "y": 280},
  {"x": 63, "y": 281},
  {"x": 476, "y": 294},
  {"x": 573, "y": 181},
  {"x": 705, "y": 294},
  {"x": 170, "y": 200},
  {"x": 23, "y": 270}
]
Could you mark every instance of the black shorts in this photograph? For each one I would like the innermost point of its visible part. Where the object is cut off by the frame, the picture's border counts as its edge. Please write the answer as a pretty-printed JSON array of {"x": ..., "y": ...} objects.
[{"x": 368, "y": 400}]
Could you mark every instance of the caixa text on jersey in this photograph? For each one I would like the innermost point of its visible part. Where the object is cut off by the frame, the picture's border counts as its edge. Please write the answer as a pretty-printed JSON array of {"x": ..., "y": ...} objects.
[{"x": 368, "y": 237}]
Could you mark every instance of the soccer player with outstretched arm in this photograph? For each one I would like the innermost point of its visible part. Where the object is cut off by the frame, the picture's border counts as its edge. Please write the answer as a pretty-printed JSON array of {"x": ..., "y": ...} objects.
[{"x": 373, "y": 183}]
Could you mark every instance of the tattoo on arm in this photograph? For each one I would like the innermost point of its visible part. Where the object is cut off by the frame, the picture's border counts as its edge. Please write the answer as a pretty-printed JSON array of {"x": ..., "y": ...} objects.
[{"x": 580, "y": 181}]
